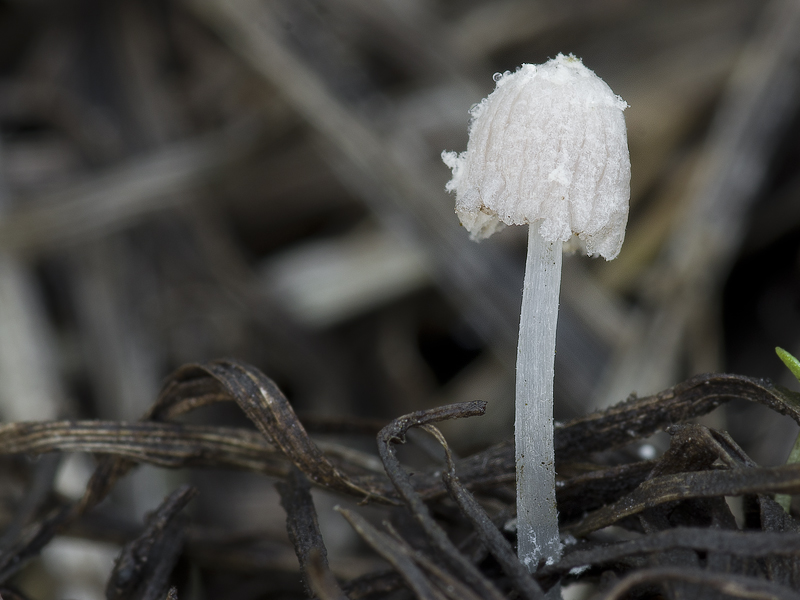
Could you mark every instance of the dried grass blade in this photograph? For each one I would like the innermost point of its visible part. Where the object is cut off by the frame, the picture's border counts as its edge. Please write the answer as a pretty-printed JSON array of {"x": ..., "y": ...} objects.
[
  {"x": 733, "y": 586},
  {"x": 627, "y": 422},
  {"x": 590, "y": 490},
  {"x": 143, "y": 568},
  {"x": 321, "y": 581},
  {"x": 488, "y": 533},
  {"x": 634, "y": 419},
  {"x": 755, "y": 544},
  {"x": 394, "y": 433},
  {"x": 270, "y": 411},
  {"x": 374, "y": 584},
  {"x": 169, "y": 445},
  {"x": 450, "y": 586},
  {"x": 303, "y": 529},
  {"x": 389, "y": 549},
  {"x": 683, "y": 486},
  {"x": 780, "y": 569}
]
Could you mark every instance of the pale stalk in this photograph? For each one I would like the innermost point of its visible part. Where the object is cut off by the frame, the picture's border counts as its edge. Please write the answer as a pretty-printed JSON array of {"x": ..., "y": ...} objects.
[{"x": 537, "y": 516}]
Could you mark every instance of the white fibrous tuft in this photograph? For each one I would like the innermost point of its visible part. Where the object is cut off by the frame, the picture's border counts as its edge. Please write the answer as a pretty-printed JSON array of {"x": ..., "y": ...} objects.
[{"x": 549, "y": 145}]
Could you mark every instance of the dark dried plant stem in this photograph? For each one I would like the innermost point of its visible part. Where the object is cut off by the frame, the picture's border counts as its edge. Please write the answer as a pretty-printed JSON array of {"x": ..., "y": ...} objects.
[
  {"x": 756, "y": 544},
  {"x": 143, "y": 567},
  {"x": 386, "y": 547},
  {"x": 395, "y": 433},
  {"x": 488, "y": 533},
  {"x": 450, "y": 586},
  {"x": 733, "y": 586},
  {"x": 303, "y": 529}
]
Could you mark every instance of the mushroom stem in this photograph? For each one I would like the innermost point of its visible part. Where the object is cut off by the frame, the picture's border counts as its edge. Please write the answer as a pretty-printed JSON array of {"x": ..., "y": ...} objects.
[{"x": 537, "y": 516}]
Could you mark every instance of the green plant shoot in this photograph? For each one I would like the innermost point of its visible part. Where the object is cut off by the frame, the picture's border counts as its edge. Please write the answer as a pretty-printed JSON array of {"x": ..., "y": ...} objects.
[
  {"x": 785, "y": 500},
  {"x": 790, "y": 361}
]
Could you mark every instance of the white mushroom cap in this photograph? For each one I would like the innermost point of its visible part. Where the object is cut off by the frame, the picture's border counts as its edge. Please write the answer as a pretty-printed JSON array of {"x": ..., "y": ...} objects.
[{"x": 549, "y": 145}]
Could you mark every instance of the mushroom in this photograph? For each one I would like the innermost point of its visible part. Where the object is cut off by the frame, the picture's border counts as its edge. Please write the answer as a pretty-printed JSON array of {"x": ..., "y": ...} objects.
[{"x": 547, "y": 148}]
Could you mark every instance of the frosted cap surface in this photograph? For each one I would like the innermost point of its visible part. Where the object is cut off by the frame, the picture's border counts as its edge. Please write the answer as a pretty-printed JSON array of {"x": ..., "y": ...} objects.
[{"x": 548, "y": 145}]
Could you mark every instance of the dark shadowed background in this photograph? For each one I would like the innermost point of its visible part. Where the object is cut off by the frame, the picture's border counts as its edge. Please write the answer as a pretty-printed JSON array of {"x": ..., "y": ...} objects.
[{"x": 181, "y": 181}]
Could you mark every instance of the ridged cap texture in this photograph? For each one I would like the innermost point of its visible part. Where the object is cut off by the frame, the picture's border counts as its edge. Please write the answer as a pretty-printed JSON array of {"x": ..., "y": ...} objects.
[{"x": 548, "y": 146}]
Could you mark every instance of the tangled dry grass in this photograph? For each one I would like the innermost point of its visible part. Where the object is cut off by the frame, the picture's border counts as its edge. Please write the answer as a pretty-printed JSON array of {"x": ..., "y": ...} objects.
[{"x": 661, "y": 527}]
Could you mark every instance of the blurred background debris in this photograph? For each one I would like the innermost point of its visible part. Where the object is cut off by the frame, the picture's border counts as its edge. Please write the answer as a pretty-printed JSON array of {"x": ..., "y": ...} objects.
[{"x": 187, "y": 179}]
